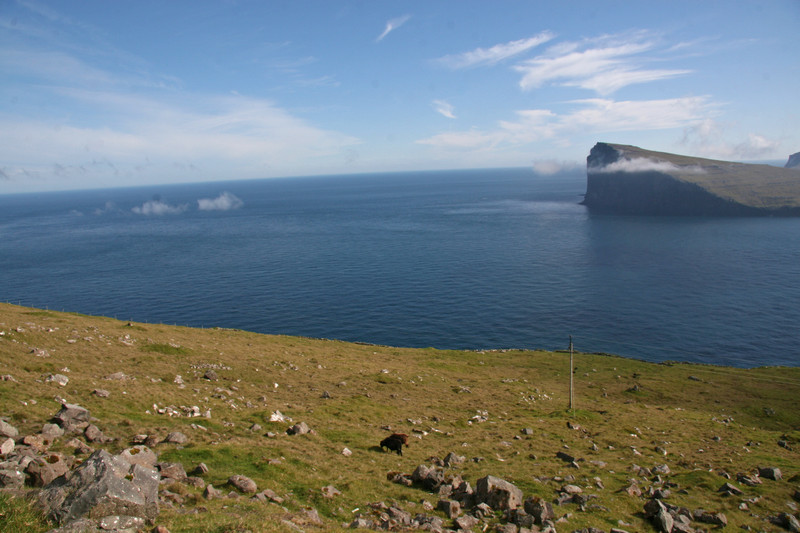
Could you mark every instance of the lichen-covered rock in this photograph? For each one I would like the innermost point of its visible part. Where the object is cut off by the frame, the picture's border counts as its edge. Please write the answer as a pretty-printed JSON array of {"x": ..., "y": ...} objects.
[
  {"x": 43, "y": 470},
  {"x": 140, "y": 455}
]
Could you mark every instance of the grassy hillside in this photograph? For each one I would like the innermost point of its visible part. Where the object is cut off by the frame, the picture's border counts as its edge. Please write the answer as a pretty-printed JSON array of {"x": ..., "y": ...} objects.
[
  {"x": 752, "y": 185},
  {"x": 702, "y": 421}
]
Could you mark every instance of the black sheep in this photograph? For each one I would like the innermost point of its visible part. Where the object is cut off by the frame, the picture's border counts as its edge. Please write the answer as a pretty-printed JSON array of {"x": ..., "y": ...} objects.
[{"x": 394, "y": 442}]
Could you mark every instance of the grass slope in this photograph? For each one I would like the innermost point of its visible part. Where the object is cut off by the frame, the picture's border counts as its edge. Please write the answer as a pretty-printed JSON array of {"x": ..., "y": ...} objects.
[
  {"x": 752, "y": 185},
  {"x": 710, "y": 420}
]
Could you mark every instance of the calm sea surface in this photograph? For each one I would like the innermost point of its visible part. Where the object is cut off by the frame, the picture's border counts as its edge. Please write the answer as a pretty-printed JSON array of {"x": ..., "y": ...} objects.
[{"x": 459, "y": 259}]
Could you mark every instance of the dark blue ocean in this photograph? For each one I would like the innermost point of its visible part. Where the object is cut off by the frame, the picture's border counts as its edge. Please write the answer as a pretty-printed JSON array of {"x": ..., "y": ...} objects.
[{"x": 478, "y": 259}]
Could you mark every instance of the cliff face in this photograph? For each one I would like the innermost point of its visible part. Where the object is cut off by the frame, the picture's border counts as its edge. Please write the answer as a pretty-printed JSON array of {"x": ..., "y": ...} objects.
[
  {"x": 794, "y": 161},
  {"x": 629, "y": 180}
]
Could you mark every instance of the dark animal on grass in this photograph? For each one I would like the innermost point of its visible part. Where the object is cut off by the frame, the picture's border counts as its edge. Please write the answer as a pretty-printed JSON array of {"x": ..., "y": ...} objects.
[{"x": 394, "y": 442}]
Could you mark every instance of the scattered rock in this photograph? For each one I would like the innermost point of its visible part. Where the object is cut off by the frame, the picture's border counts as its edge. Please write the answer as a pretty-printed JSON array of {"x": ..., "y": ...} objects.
[
  {"x": 430, "y": 478},
  {"x": 210, "y": 493},
  {"x": 717, "y": 519},
  {"x": 200, "y": 470},
  {"x": 243, "y": 484},
  {"x": 7, "y": 430},
  {"x": 93, "y": 434},
  {"x": 6, "y": 446},
  {"x": 52, "y": 431},
  {"x": 103, "y": 485},
  {"x": 770, "y": 472},
  {"x": 451, "y": 459},
  {"x": 72, "y": 417},
  {"x": 101, "y": 393},
  {"x": 140, "y": 455},
  {"x": 268, "y": 494},
  {"x": 786, "y": 521},
  {"x": 59, "y": 379},
  {"x": 748, "y": 479},
  {"x": 211, "y": 375},
  {"x": 567, "y": 458},
  {"x": 730, "y": 490},
  {"x": 299, "y": 429},
  {"x": 173, "y": 471},
  {"x": 450, "y": 508},
  {"x": 498, "y": 493},
  {"x": 11, "y": 477},
  {"x": 329, "y": 491},
  {"x": 176, "y": 437},
  {"x": 541, "y": 510}
]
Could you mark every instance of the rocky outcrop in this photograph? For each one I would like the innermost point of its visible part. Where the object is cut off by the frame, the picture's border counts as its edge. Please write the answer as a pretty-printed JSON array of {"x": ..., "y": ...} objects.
[
  {"x": 794, "y": 161},
  {"x": 104, "y": 485},
  {"x": 625, "y": 179}
]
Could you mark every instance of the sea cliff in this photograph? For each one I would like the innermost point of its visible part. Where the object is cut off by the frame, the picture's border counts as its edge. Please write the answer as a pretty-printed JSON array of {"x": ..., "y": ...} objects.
[{"x": 630, "y": 180}]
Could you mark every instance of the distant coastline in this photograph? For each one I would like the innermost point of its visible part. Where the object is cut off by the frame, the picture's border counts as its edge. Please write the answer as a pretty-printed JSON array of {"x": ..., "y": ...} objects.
[{"x": 626, "y": 179}]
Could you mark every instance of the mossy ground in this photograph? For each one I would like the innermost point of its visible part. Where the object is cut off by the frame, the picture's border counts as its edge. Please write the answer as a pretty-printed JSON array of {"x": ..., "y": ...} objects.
[{"x": 710, "y": 420}]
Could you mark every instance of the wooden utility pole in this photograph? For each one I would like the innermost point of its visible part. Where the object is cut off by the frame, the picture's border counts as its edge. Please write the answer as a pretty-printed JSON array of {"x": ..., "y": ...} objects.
[{"x": 571, "y": 372}]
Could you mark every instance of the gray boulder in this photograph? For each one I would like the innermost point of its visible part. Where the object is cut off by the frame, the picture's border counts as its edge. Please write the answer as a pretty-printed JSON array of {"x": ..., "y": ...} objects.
[
  {"x": 72, "y": 417},
  {"x": 299, "y": 429},
  {"x": 428, "y": 477},
  {"x": 7, "y": 430},
  {"x": 6, "y": 445},
  {"x": 770, "y": 472},
  {"x": 173, "y": 471},
  {"x": 140, "y": 455},
  {"x": 541, "y": 510},
  {"x": 176, "y": 437},
  {"x": 498, "y": 493},
  {"x": 243, "y": 484},
  {"x": 11, "y": 477},
  {"x": 103, "y": 486}
]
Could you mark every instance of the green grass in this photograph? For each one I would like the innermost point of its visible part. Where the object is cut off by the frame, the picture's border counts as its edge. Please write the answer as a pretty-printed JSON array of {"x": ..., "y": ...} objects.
[
  {"x": 429, "y": 394},
  {"x": 18, "y": 514},
  {"x": 165, "y": 349}
]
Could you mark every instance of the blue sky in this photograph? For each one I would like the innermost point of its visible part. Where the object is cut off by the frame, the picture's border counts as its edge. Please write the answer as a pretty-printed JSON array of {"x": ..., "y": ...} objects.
[{"x": 102, "y": 94}]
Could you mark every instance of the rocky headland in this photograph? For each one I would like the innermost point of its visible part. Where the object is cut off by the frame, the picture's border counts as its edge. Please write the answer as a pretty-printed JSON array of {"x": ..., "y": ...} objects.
[{"x": 626, "y": 179}]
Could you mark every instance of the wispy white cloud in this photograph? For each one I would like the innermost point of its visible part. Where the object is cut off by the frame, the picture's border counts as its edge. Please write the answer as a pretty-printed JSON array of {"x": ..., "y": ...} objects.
[
  {"x": 603, "y": 66},
  {"x": 707, "y": 138},
  {"x": 444, "y": 108},
  {"x": 151, "y": 137},
  {"x": 494, "y": 54},
  {"x": 158, "y": 207},
  {"x": 644, "y": 164},
  {"x": 587, "y": 116},
  {"x": 549, "y": 167},
  {"x": 392, "y": 25},
  {"x": 224, "y": 202}
]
